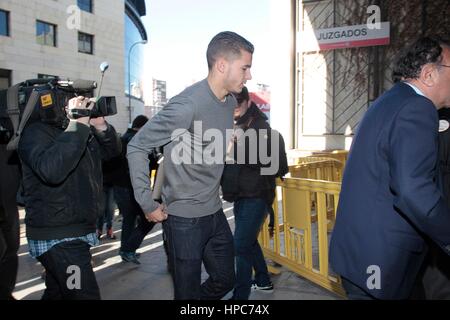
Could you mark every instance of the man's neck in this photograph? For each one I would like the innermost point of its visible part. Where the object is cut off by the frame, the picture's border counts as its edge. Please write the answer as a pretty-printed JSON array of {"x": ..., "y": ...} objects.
[
  {"x": 423, "y": 89},
  {"x": 217, "y": 88}
]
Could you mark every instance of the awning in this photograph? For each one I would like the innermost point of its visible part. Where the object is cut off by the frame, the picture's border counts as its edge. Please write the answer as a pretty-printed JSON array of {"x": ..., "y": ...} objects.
[{"x": 262, "y": 104}]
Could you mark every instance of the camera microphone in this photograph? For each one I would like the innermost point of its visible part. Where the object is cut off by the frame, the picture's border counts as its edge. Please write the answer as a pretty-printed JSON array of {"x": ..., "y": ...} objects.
[
  {"x": 83, "y": 84},
  {"x": 78, "y": 84}
]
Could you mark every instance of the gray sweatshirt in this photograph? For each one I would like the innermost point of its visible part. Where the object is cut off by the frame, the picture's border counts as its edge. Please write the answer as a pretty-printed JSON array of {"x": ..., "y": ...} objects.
[{"x": 193, "y": 163}]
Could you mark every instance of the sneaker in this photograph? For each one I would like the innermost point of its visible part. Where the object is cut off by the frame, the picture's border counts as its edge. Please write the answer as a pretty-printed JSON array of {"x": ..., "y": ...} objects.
[
  {"x": 129, "y": 257},
  {"x": 98, "y": 233},
  {"x": 110, "y": 234},
  {"x": 267, "y": 288}
]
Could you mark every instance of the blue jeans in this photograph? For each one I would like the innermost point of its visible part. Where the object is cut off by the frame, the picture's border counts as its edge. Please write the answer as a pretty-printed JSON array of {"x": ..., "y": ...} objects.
[
  {"x": 191, "y": 241},
  {"x": 108, "y": 213},
  {"x": 249, "y": 215}
]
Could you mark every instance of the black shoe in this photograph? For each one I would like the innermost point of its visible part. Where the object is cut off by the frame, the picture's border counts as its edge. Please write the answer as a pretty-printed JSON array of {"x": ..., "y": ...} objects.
[
  {"x": 267, "y": 288},
  {"x": 129, "y": 257}
]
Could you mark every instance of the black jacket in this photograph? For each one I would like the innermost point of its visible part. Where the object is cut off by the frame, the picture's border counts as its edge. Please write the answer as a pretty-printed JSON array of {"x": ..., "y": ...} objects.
[
  {"x": 444, "y": 153},
  {"x": 62, "y": 178},
  {"x": 245, "y": 180},
  {"x": 121, "y": 174}
]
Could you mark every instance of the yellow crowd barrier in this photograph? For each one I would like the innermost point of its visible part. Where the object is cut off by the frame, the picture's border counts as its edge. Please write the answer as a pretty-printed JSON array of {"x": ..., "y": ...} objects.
[
  {"x": 340, "y": 155},
  {"x": 300, "y": 241},
  {"x": 317, "y": 168}
]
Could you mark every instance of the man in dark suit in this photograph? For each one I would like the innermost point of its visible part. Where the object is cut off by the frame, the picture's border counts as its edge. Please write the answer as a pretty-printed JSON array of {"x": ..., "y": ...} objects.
[{"x": 390, "y": 201}]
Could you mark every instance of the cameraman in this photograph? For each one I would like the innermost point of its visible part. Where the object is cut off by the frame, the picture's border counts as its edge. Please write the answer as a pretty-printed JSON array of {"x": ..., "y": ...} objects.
[{"x": 62, "y": 182}]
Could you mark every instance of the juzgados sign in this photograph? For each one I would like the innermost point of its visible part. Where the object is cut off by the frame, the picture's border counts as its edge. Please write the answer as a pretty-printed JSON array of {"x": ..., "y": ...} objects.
[{"x": 345, "y": 37}]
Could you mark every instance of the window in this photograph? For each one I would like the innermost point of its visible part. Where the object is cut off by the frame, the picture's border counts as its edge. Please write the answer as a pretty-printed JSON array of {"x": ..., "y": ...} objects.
[
  {"x": 85, "y": 43},
  {"x": 5, "y": 79},
  {"x": 85, "y": 5},
  {"x": 46, "y": 76},
  {"x": 4, "y": 23},
  {"x": 45, "y": 33}
]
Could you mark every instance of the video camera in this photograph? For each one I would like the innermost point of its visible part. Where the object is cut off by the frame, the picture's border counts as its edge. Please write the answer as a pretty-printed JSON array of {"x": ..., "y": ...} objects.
[
  {"x": 46, "y": 100},
  {"x": 54, "y": 94}
]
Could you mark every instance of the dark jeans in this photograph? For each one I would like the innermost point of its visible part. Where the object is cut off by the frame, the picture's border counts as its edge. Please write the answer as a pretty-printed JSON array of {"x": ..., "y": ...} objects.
[
  {"x": 249, "y": 215},
  {"x": 58, "y": 262},
  {"x": 354, "y": 292},
  {"x": 435, "y": 276},
  {"x": 132, "y": 234},
  {"x": 191, "y": 241},
  {"x": 108, "y": 213},
  {"x": 9, "y": 236}
]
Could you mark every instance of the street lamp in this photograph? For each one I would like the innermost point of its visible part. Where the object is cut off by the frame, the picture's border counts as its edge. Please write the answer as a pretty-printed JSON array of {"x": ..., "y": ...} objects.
[{"x": 129, "y": 76}]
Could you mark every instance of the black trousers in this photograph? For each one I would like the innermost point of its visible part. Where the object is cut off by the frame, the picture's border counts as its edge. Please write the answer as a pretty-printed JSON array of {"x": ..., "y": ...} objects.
[
  {"x": 68, "y": 272},
  {"x": 436, "y": 274},
  {"x": 9, "y": 224},
  {"x": 9, "y": 240}
]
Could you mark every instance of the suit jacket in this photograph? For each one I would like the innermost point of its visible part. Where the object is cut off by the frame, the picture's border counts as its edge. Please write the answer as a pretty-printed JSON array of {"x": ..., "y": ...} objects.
[{"x": 390, "y": 197}]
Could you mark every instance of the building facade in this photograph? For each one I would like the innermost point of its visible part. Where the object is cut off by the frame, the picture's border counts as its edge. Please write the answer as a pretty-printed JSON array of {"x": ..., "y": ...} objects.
[
  {"x": 323, "y": 88},
  {"x": 159, "y": 93},
  {"x": 70, "y": 39}
]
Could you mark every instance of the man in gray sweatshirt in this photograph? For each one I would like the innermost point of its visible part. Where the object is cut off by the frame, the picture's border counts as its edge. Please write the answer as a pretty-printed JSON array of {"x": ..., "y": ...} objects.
[{"x": 192, "y": 128}]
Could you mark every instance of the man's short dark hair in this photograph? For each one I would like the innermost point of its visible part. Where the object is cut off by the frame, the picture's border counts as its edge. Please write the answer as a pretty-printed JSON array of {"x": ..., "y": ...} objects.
[
  {"x": 139, "y": 122},
  {"x": 227, "y": 43},
  {"x": 424, "y": 50}
]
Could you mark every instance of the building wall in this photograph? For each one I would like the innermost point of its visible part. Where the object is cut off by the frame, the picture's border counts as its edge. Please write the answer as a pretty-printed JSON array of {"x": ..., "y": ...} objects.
[
  {"x": 281, "y": 38},
  {"x": 21, "y": 54},
  {"x": 334, "y": 88},
  {"x": 329, "y": 106},
  {"x": 134, "y": 77}
]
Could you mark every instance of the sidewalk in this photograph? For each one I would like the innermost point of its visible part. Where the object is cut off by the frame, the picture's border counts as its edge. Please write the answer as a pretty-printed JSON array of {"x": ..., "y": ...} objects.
[{"x": 150, "y": 280}]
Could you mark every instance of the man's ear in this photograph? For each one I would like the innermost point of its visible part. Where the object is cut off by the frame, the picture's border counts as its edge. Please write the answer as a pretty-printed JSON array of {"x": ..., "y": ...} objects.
[
  {"x": 221, "y": 64},
  {"x": 428, "y": 75}
]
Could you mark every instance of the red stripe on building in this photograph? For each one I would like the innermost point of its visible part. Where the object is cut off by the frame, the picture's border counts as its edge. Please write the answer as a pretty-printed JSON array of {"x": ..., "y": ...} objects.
[{"x": 354, "y": 44}]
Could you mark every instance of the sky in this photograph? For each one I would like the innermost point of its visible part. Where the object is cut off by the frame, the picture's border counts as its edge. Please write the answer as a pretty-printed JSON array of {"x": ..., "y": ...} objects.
[{"x": 179, "y": 32}]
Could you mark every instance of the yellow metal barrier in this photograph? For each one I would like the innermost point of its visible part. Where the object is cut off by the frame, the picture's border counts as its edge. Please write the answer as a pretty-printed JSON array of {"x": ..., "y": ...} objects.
[
  {"x": 300, "y": 242},
  {"x": 340, "y": 155},
  {"x": 317, "y": 168}
]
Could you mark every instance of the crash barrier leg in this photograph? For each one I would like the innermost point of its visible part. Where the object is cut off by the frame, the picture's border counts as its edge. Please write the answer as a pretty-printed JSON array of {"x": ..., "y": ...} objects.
[{"x": 299, "y": 243}]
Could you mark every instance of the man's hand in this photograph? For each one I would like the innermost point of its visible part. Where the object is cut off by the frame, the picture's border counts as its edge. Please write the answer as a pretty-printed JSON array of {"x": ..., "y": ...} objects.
[
  {"x": 99, "y": 123},
  {"x": 80, "y": 102},
  {"x": 159, "y": 215}
]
